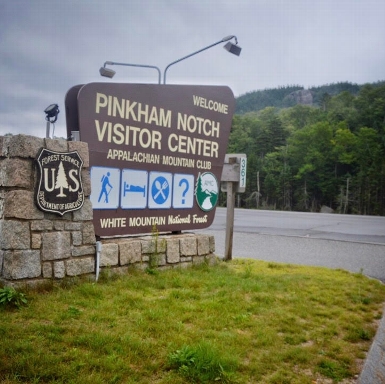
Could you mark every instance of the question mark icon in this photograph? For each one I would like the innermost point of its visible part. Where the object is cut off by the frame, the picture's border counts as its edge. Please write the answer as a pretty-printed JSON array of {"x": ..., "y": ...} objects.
[{"x": 185, "y": 182}]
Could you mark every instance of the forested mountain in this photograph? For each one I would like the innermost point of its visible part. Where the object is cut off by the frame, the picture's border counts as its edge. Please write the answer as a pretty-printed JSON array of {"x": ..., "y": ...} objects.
[
  {"x": 328, "y": 152},
  {"x": 289, "y": 96}
]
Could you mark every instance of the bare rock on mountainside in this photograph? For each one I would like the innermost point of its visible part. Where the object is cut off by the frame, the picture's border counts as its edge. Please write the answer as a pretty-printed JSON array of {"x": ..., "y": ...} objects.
[{"x": 302, "y": 96}]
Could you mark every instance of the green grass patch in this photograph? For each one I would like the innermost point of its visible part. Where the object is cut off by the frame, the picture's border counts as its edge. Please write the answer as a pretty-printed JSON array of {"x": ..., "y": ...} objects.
[{"x": 239, "y": 322}]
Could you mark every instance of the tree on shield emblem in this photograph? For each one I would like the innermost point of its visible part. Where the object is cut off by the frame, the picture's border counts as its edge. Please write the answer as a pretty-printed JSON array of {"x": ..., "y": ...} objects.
[{"x": 60, "y": 188}]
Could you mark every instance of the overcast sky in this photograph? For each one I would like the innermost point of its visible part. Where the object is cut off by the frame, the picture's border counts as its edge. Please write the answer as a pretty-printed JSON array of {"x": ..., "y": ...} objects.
[{"x": 48, "y": 46}]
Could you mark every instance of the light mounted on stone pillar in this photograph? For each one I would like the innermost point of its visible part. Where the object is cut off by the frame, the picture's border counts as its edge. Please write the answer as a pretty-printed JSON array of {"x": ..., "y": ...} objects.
[{"x": 51, "y": 113}]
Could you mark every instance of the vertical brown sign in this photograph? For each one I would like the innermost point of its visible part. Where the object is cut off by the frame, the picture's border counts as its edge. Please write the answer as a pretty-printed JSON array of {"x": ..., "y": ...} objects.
[{"x": 156, "y": 154}]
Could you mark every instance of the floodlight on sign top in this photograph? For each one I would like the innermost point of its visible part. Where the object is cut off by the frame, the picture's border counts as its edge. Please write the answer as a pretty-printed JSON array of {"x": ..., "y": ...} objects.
[
  {"x": 107, "y": 72},
  {"x": 233, "y": 48},
  {"x": 51, "y": 113}
]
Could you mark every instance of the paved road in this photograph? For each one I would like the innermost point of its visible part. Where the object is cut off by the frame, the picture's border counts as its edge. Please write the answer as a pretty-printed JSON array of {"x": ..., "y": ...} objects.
[{"x": 353, "y": 243}]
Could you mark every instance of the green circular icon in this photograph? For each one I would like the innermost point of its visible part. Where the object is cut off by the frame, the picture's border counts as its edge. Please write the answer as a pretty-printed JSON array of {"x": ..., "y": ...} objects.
[{"x": 206, "y": 191}]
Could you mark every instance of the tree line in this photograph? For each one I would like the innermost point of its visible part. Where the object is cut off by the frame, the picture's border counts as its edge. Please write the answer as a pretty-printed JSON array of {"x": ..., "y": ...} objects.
[{"x": 305, "y": 157}]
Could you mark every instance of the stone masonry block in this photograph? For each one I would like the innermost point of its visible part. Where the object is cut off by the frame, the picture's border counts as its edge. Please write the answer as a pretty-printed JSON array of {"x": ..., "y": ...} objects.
[
  {"x": 14, "y": 235},
  {"x": 148, "y": 246},
  {"x": 188, "y": 246},
  {"x": 88, "y": 233},
  {"x": 211, "y": 259},
  {"x": 3, "y": 147},
  {"x": 21, "y": 264},
  {"x": 2, "y": 199},
  {"x": 20, "y": 204},
  {"x": 197, "y": 260},
  {"x": 1, "y": 262},
  {"x": 109, "y": 255},
  {"x": 57, "y": 145},
  {"x": 70, "y": 226},
  {"x": 212, "y": 244},
  {"x": 60, "y": 225},
  {"x": 16, "y": 173},
  {"x": 85, "y": 213},
  {"x": 47, "y": 270},
  {"x": 82, "y": 148},
  {"x": 161, "y": 259},
  {"x": 22, "y": 146},
  {"x": 76, "y": 267},
  {"x": 130, "y": 252},
  {"x": 56, "y": 245},
  {"x": 41, "y": 225},
  {"x": 59, "y": 270},
  {"x": 35, "y": 240},
  {"x": 173, "y": 253},
  {"x": 83, "y": 250},
  {"x": 203, "y": 243},
  {"x": 185, "y": 265},
  {"x": 86, "y": 181},
  {"x": 153, "y": 245},
  {"x": 76, "y": 238}
]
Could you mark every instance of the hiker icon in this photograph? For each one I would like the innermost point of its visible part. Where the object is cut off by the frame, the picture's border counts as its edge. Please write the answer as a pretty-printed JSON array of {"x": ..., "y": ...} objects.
[{"x": 105, "y": 184}]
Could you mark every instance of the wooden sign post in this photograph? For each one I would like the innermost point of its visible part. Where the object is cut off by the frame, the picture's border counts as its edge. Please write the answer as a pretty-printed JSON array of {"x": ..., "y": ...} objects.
[{"x": 233, "y": 180}]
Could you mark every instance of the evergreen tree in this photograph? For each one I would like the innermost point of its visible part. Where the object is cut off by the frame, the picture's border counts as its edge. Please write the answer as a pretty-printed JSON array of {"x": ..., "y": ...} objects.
[{"x": 61, "y": 180}]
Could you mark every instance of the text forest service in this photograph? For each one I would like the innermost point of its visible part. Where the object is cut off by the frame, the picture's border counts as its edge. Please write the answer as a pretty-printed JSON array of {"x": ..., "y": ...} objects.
[{"x": 156, "y": 141}]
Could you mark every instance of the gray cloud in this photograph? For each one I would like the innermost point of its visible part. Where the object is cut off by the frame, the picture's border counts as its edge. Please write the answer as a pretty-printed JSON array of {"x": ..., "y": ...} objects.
[{"x": 47, "y": 47}]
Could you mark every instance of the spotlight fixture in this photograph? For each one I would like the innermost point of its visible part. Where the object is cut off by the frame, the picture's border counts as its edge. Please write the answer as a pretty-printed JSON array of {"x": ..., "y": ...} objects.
[
  {"x": 107, "y": 72},
  {"x": 233, "y": 48},
  {"x": 51, "y": 113}
]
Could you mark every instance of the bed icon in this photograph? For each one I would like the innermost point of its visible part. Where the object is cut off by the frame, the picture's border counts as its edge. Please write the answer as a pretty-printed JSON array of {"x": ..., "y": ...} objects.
[{"x": 133, "y": 188}]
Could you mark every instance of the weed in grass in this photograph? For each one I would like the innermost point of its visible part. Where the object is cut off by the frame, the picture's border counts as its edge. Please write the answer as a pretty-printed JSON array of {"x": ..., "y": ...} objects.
[
  {"x": 202, "y": 364},
  {"x": 275, "y": 266},
  {"x": 10, "y": 298},
  {"x": 359, "y": 298},
  {"x": 73, "y": 312},
  {"x": 355, "y": 335},
  {"x": 248, "y": 271},
  {"x": 333, "y": 370}
]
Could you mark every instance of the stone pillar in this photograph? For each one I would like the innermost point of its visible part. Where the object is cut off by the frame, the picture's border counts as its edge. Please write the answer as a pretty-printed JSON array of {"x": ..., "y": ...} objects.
[{"x": 36, "y": 245}]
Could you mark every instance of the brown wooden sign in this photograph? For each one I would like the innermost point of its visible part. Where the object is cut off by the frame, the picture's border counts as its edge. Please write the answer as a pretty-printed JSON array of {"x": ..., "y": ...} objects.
[{"x": 156, "y": 154}]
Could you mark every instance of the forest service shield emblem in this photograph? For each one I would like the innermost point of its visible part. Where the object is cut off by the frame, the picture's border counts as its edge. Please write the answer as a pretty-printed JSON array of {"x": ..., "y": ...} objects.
[{"x": 60, "y": 188}]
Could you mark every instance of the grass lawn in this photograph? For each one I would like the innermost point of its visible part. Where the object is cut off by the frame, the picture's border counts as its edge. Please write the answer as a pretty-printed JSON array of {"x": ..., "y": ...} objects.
[{"x": 244, "y": 321}]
